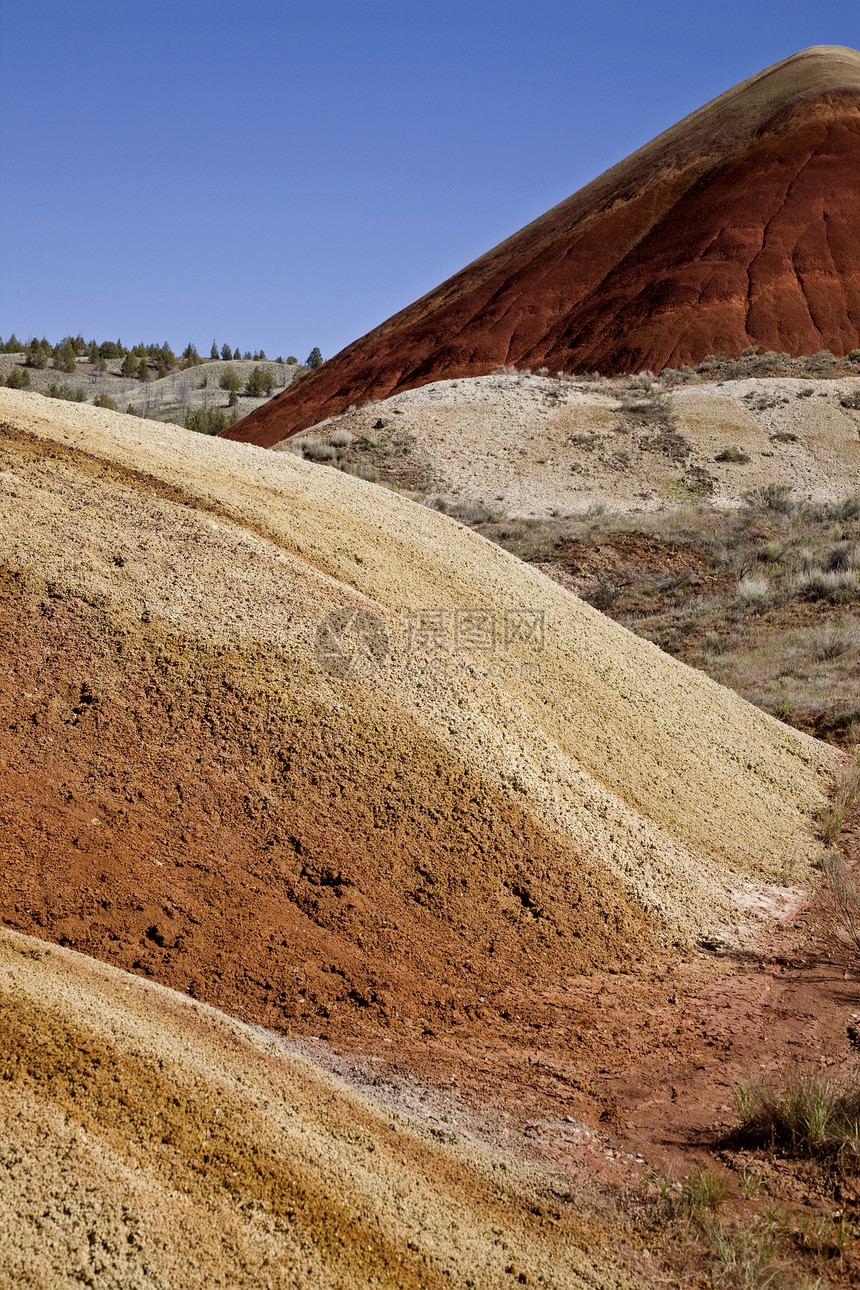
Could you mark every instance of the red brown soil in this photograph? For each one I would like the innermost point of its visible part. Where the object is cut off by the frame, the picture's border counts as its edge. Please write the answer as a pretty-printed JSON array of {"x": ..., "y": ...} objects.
[
  {"x": 291, "y": 892},
  {"x": 162, "y": 815},
  {"x": 738, "y": 227}
]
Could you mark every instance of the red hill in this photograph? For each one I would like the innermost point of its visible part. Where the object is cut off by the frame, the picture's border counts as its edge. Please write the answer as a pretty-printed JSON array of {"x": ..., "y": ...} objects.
[{"x": 739, "y": 226}]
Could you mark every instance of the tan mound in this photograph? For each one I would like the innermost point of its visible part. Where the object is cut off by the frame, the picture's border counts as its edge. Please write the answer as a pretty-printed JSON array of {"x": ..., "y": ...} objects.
[
  {"x": 739, "y": 226},
  {"x": 538, "y": 446},
  {"x": 148, "y": 1140},
  {"x": 191, "y": 790}
]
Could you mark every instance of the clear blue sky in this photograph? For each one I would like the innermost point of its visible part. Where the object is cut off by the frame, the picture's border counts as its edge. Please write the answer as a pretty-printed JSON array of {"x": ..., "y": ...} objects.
[{"x": 288, "y": 175}]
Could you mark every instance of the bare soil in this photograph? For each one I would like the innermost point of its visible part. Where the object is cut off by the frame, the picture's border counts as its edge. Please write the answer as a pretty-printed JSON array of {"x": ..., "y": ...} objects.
[{"x": 483, "y": 901}]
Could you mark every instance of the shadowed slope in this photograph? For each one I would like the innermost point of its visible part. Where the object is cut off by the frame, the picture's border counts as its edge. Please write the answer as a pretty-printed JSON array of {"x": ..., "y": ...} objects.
[
  {"x": 148, "y": 1140},
  {"x": 739, "y": 226}
]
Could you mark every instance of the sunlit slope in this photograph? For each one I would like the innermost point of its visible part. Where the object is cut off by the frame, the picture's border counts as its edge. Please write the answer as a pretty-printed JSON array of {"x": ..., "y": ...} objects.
[
  {"x": 738, "y": 226},
  {"x": 642, "y": 764},
  {"x": 149, "y": 1140},
  {"x": 537, "y": 446}
]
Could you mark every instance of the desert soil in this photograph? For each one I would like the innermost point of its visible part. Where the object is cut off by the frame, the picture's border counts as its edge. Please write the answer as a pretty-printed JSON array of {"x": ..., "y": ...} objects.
[
  {"x": 440, "y": 868},
  {"x": 539, "y": 446}
]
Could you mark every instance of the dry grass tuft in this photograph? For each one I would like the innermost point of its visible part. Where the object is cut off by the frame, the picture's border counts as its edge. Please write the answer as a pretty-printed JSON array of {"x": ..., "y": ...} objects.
[
  {"x": 808, "y": 1115},
  {"x": 843, "y": 809}
]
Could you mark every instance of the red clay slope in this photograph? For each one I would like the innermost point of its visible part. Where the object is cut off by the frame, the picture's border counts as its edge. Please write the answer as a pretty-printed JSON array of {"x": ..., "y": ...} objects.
[{"x": 739, "y": 226}]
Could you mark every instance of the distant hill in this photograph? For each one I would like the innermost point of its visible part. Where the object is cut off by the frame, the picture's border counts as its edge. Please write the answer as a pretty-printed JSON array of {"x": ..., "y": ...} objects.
[
  {"x": 167, "y": 399},
  {"x": 739, "y": 226}
]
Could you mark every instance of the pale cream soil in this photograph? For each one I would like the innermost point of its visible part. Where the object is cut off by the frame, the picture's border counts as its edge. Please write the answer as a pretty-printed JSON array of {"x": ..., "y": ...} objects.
[
  {"x": 683, "y": 791},
  {"x": 148, "y": 1140},
  {"x": 539, "y": 446}
]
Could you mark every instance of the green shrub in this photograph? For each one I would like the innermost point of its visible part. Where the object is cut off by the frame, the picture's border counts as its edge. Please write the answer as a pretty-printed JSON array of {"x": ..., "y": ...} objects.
[
  {"x": 845, "y": 555},
  {"x": 820, "y": 361},
  {"x": 260, "y": 383},
  {"x": 732, "y": 453},
  {"x": 839, "y": 587},
  {"x": 771, "y": 497},
  {"x": 316, "y": 450},
  {"x": 230, "y": 380},
  {"x": 770, "y": 552},
  {"x": 208, "y": 420},
  {"x": 38, "y": 354},
  {"x": 703, "y": 1190},
  {"x": 646, "y": 397},
  {"x": 752, "y": 589},
  {"x": 104, "y": 401},
  {"x": 18, "y": 378},
  {"x": 66, "y": 392}
]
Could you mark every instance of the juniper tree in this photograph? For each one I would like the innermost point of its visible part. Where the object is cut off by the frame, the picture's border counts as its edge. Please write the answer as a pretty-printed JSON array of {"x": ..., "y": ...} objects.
[
  {"x": 261, "y": 382},
  {"x": 36, "y": 355},
  {"x": 230, "y": 380},
  {"x": 64, "y": 356}
]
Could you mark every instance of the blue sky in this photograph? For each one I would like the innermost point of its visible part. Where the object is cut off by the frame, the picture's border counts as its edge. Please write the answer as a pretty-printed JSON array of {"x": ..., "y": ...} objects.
[{"x": 288, "y": 175}]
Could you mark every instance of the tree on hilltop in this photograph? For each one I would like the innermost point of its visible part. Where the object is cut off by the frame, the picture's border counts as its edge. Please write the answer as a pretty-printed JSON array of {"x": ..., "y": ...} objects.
[
  {"x": 64, "y": 356},
  {"x": 314, "y": 358},
  {"x": 36, "y": 354},
  {"x": 213, "y": 353},
  {"x": 190, "y": 357}
]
